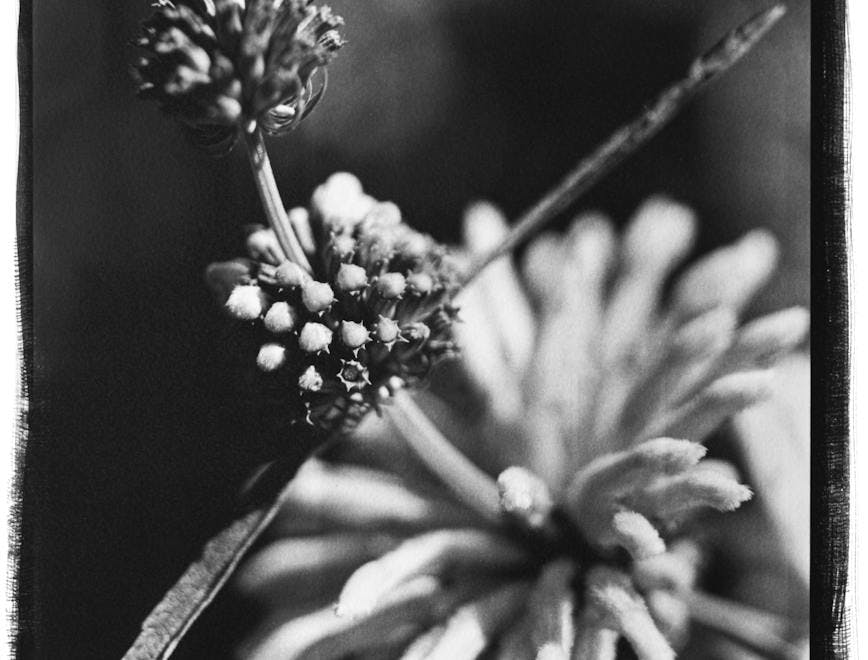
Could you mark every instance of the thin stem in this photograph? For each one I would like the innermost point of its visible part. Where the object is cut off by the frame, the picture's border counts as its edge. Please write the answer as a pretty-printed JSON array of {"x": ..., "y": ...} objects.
[
  {"x": 758, "y": 630},
  {"x": 468, "y": 482},
  {"x": 271, "y": 202},
  {"x": 635, "y": 134}
]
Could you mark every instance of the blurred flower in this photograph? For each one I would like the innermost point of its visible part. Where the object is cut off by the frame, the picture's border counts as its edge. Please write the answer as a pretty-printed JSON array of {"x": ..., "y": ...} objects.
[
  {"x": 217, "y": 65},
  {"x": 587, "y": 382},
  {"x": 377, "y": 305}
]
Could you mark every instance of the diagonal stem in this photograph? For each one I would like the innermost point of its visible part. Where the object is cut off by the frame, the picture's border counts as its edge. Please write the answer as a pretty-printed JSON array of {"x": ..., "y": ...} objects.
[
  {"x": 271, "y": 202},
  {"x": 473, "y": 486},
  {"x": 630, "y": 137}
]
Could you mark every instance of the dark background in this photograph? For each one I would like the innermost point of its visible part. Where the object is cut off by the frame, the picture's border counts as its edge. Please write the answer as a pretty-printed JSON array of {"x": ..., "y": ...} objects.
[{"x": 140, "y": 434}]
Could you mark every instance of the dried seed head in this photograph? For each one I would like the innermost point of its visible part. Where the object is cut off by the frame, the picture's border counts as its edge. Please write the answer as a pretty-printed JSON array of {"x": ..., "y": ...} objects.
[{"x": 220, "y": 67}]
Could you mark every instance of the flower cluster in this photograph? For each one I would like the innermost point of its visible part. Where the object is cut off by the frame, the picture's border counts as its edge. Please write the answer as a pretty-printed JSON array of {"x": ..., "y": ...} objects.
[
  {"x": 217, "y": 65},
  {"x": 593, "y": 492},
  {"x": 377, "y": 305}
]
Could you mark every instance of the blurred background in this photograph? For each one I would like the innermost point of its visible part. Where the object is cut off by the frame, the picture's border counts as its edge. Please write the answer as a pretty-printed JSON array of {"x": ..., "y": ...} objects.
[{"x": 140, "y": 435}]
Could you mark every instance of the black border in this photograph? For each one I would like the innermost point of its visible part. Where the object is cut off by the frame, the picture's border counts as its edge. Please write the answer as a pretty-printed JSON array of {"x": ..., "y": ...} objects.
[{"x": 830, "y": 344}]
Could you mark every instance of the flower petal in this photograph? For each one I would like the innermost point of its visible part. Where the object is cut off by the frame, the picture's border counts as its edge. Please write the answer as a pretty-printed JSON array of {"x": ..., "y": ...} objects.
[
  {"x": 637, "y": 535},
  {"x": 471, "y": 629},
  {"x": 702, "y": 415},
  {"x": 624, "y": 610},
  {"x": 550, "y": 611},
  {"x": 672, "y": 497},
  {"x": 727, "y": 277},
  {"x": 434, "y": 553}
]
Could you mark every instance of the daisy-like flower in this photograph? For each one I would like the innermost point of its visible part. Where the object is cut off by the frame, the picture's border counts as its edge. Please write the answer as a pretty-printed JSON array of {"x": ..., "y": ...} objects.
[
  {"x": 559, "y": 520},
  {"x": 376, "y": 306},
  {"x": 223, "y": 65}
]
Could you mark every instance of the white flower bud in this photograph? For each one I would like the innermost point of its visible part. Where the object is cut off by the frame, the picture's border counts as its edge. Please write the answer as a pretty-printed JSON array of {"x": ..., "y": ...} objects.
[
  {"x": 391, "y": 285},
  {"x": 246, "y": 302},
  {"x": 386, "y": 330},
  {"x": 354, "y": 335},
  {"x": 317, "y": 296},
  {"x": 315, "y": 337},
  {"x": 343, "y": 246},
  {"x": 271, "y": 357},
  {"x": 420, "y": 283},
  {"x": 351, "y": 278},
  {"x": 280, "y": 318},
  {"x": 290, "y": 274},
  {"x": 310, "y": 380}
]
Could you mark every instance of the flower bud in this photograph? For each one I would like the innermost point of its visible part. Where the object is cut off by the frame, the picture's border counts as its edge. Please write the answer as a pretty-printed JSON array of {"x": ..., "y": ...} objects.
[
  {"x": 290, "y": 274},
  {"x": 354, "y": 335},
  {"x": 351, "y": 278},
  {"x": 391, "y": 285},
  {"x": 271, "y": 357},
  {"x": 386, "y": 330},
  {"x": 246, "y": 302},
  {"x": 385, "y": 214},
  {"x": 317, "y": 296},
  {"x": 310, "y": 380},
  {"x": 343, "y": 246},
  {"x": 315, "y": 337},
  {"x": 420, "y": 283},
  {"x": 280, "y": 318}
]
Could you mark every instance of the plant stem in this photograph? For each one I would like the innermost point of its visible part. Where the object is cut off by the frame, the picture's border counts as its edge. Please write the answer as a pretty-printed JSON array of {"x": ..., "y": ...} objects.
[
  {"x": 758, "y": 630},
  {"x": 473, "y": 486},
  {"x": 635, "y": 134},
  {"x": 271, "y": 202}
]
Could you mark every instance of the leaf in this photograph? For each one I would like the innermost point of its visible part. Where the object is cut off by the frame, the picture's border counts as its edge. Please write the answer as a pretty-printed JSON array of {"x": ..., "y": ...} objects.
[{"x": 176, "y": 612}]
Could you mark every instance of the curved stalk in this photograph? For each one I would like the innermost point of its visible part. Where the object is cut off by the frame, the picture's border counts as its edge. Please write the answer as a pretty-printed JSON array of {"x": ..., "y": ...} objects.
[
  {"x": 473, "y": 486},
  {"x": 271, "y": 202}
]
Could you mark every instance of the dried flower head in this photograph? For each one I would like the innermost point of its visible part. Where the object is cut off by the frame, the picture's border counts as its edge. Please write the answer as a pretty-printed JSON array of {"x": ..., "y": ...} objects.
[
  {"x": 560, "y": 519},
  {"x": 221, "y": 65},
  {"x": 377, "y": 305}
]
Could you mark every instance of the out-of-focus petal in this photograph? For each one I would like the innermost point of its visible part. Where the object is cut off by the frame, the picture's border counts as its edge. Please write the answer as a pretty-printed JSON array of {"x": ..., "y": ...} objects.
[
  {"x": 262, "y": 245},
  {"x": 728, "y": 277},
  {"x": 550, "y": 611},
  {"x": 469, "y": 631},
  {"x": 703, "y": 414},
  {"x": 624, "y": 610},
  {"x": 564, "y": 372},
  {"x": 349, "y": 497},
  {"x": 435, "y": 553}
]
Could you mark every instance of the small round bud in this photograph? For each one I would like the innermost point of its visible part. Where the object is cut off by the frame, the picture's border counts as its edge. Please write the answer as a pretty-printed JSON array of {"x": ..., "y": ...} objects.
[
  {"x": 340, "y": 201},
  {"x": 280, "y": 318},
  {"x": 310, "y": 380},
  {"x": 271, "y": 357},
  {"x": 317, "y": 296},
  {"x": 420, "y": 283},
  {"x": 343, "y": 246},
  {"x": 354, "y": 335},
  {"x": 246, "y": 302},
  {"x": 290, "y": 274},
  {"x": 391, "y": 285},
  {"x": 351, "y": 278},
  {"x": 315, "y": 337},
  {"x": 386, "y": 330}
]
